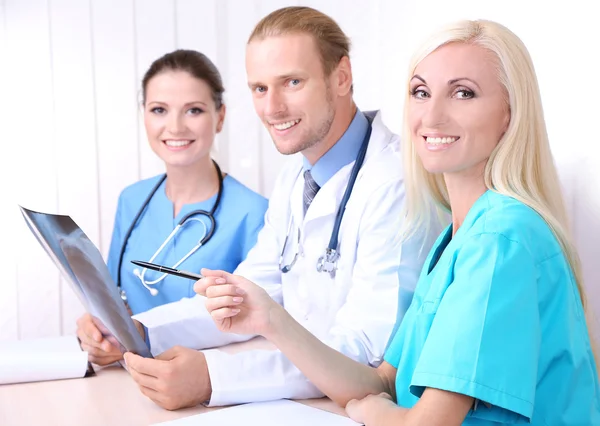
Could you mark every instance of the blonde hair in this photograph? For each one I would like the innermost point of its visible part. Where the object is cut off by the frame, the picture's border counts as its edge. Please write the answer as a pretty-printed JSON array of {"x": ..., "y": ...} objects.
[
  {"x": 331, "y": 41},
  {"x": 521, "y": 166}
]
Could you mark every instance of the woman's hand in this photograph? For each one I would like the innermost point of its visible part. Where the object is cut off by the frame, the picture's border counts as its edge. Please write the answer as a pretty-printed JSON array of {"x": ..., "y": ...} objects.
[
  {"x": 367, "y": 410},
  {"x": 236, "y": 304},
  {"x": 100, "y": 350}
]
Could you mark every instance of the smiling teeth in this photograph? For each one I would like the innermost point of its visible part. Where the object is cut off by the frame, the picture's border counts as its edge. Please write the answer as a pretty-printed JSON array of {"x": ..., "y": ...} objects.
[
  {"x": 286, "y": 125},
  {"x": 177, "y": 143},
  {"x": 441, "y": 140}
]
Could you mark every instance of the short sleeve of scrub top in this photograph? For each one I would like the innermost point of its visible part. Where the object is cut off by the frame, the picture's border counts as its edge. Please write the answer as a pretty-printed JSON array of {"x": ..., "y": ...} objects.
[{"x": 487, "y": 327}]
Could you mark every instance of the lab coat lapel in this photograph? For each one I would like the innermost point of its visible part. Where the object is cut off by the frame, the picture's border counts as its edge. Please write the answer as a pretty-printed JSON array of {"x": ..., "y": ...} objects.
[
  {"x": 296, "y": 203},
  {"x": 329, "y": 197},
  {"x": 380, "y": 136}
]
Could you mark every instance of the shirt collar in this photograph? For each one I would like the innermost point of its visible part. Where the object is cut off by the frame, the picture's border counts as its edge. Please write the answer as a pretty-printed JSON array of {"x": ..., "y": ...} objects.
[{"x": 342, "y": 153}]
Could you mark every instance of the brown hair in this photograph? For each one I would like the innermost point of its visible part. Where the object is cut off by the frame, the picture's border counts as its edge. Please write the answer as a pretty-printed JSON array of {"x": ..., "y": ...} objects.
[
  {"x": 331, "y": 41},
  {"x": 195, "y": 63}
]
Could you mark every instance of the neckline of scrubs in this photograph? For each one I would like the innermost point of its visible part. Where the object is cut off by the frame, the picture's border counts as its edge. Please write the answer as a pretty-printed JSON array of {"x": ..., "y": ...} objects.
[
  {"x": 446, "y": 238},
  {"x": 206, "y": 205}
]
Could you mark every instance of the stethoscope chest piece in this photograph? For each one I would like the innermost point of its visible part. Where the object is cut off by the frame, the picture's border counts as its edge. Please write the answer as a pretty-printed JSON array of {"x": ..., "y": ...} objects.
[{"x": 328, "y": 262}]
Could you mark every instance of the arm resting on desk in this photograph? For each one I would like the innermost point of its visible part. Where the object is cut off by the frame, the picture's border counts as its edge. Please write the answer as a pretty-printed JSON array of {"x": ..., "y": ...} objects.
[{"x": 184, "y": 323}]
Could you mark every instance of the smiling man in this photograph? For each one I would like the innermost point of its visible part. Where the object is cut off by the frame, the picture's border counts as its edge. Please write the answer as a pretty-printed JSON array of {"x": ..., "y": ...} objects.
[{"x": 348, "y": 288}]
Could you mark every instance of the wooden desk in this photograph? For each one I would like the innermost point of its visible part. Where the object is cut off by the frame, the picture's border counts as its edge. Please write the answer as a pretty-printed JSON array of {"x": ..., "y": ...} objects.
[{"x": 111, "y": 397}]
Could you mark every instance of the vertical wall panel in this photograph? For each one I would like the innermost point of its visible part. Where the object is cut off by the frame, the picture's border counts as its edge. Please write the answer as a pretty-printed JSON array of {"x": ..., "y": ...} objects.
[
  {"x": 196, "y": 26},
  {"x": 154, "y": 36},
  {"x": 116, "y": 91},
  {"x": 587, "y": 232},
  {"x": 8, "y": 285},
  {"x": 33, "y": 125},
  {"x": 75, "y": 129},
  {"x": 395, "y": 39},
  {"x": 242, "y": 127},
  {"x": 575, "y": 110}
]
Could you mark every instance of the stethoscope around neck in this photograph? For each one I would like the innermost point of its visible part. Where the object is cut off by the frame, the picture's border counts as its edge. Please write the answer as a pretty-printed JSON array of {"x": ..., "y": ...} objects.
[
  {"x": 208, "y": 233},
  {"x": 328, "y": 261}
]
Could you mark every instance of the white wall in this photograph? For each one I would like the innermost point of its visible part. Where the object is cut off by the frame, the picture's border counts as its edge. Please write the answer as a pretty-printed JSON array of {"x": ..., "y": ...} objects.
[{"x": 72, "y": 136}]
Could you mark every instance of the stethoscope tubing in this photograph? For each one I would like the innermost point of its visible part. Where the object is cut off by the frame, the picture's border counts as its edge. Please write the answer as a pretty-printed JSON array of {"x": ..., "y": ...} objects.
[{"x": 208, "y": 235}]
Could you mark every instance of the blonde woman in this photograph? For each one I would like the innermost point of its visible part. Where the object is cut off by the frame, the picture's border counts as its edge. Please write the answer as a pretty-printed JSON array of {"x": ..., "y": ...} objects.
[{"x": 496, "y": 332}]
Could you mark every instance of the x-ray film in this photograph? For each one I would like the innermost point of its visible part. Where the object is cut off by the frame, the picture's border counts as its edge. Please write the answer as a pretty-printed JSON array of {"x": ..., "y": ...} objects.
[{"x": 82, "y": 265}]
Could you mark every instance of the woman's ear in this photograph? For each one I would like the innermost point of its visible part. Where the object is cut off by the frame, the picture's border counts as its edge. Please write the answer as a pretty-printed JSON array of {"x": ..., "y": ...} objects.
[
  {"x": 506, "y": 120},
  {"x": 221, "y": 121}
]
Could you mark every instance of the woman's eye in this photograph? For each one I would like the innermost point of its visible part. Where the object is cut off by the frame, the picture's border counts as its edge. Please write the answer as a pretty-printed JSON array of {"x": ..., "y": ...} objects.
[
  {"x": 158, "y": 110},
  {"x": 419, "y": 94},
  {"x": 195, "y": 111},
  {"x": 465, "y": 94}
]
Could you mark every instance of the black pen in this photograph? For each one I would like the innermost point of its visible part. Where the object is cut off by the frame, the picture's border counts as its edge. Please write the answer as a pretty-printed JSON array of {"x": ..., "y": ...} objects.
[{"x": 167, "y": 270}]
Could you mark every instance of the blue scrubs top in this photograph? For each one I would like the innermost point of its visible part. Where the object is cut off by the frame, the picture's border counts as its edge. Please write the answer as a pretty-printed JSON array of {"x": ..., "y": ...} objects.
[
  {"x": 239, "y": 218},
  {"x": 499, "y": 318}
]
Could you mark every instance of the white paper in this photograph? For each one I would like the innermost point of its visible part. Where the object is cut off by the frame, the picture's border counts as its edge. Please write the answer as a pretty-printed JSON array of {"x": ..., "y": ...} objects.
[
  {"x": 41, "y": 359},
  {"x": 275, "y": 413}
]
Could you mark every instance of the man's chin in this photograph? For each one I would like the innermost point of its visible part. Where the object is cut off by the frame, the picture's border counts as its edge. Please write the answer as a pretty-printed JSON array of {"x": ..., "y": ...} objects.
[
  {"x": 288, "y": 151},
  {"x": 288, "y": 147}
]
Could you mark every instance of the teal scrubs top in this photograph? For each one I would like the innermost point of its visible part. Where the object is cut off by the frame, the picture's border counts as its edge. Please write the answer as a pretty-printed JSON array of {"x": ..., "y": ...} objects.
[
  {"x": 499, "y": 318},
  {"x": 239, "y": 218}
]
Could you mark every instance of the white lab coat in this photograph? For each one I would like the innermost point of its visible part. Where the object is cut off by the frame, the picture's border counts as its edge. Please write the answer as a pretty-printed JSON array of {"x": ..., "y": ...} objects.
[{"x": 354, "y": 313}]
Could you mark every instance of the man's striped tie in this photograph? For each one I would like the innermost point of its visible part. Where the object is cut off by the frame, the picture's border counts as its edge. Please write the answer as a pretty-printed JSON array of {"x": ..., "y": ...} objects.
[{"x": 310, "y": 190}]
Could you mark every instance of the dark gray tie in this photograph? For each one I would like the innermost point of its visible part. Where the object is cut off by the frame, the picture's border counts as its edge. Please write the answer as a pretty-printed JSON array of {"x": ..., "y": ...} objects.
[{"x": 310, "y": 190}]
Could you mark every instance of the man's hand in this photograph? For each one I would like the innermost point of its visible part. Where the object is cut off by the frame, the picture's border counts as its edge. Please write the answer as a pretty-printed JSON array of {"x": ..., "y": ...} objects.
[{"x": 177, "y": 378}]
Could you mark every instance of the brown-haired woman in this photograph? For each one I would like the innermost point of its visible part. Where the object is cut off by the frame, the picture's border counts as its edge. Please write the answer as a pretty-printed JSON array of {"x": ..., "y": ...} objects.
[{"x": 191, "y": 216}]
